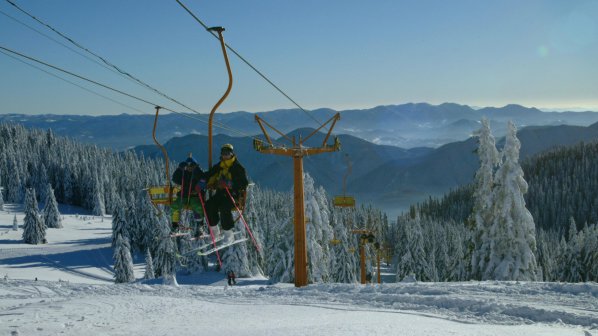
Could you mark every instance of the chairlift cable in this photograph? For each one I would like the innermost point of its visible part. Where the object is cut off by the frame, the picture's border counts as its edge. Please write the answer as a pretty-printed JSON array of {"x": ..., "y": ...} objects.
[
  {"x": 222, "y": 126},
  {"x": 121, "y": 71},
  {"x": 71, "y": 82},
  {"x": 248, "y": 63}
]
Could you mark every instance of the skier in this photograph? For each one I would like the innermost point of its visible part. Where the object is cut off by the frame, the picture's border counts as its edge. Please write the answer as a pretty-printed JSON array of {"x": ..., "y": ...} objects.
[
  {"x": 191, "y": 178},
  {"x": 227, "y": 176},
  {"x": 231, "y": 278}
]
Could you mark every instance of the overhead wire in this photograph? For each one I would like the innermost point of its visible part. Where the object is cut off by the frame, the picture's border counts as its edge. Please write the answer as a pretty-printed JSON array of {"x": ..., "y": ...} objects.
[
  {"x": 109, "y": 65},
  {"x": 104, "y": 60},
  {"x": 247, "y": 63},
  {"x": 70, "y": 82},
  {"x": 111, "y": 88}
]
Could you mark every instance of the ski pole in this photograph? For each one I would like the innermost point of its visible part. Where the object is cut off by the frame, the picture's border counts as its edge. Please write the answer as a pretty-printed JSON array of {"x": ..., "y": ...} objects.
[
  {"x": 205, "y": 215},
  {"x": 257, "y": 247}
]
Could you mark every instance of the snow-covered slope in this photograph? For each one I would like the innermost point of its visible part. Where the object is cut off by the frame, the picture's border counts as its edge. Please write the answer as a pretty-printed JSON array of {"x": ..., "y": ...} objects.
[{"x": 74, "y": 295}]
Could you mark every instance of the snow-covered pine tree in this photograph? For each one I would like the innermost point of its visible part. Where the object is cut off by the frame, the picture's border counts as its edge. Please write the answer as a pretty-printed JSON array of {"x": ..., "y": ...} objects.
[
  {"x": 165, "y": 257},
  {"x": 234, "y": 258},
  {"x": 123, "y": 262},
  {"x": 482, "y": 216},
  {"x": 14, "y": 187},
  {"x": 15, "y": 224},
  {"x": 572, "y": 259},
  {"x": 34, "y": 230},
  {"x": 591, "y": 253},
  {"x": 119, "y": 222},
  {"x": 149, "y": 266},
  {"x": 280, "y": 258},
  {"x": 98, "y": 207},
  {"x": 343, "y": 267},
  {"x": 1, "y": 196},
  {"x": 512, "y": 236},
  {"x": 456, "y": 268},
  {"x": 257, "y": 224},
  {"x": 51, "y": 215},
  {"x": 318, "y": 231},
  {"x": 413, "y": 261}
]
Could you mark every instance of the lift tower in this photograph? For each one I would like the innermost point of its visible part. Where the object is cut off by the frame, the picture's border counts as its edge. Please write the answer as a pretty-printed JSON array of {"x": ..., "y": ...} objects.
[{"x": 297, "y": 151}]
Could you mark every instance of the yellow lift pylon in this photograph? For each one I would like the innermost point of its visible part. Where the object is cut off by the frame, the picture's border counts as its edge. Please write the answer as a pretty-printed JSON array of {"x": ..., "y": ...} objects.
[{"x": 297, "y": 151}]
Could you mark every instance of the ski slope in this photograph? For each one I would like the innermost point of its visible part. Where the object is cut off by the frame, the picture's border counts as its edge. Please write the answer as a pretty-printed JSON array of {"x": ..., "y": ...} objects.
[{"x": 74, "y": 294}]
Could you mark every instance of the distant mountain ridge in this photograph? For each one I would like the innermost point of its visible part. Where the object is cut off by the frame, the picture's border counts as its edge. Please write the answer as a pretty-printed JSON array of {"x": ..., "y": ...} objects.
[
  {"x": 407, "y": 125},
  {"x": 390, "y": 177}
]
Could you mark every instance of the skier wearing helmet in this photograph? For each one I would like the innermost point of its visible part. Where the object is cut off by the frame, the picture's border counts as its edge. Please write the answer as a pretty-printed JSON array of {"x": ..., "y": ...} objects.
[{"x": 226, "y": 174}]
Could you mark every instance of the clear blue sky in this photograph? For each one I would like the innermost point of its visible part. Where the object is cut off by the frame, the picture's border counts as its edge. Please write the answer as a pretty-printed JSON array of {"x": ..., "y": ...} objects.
[{"x": 339, "y": 54}]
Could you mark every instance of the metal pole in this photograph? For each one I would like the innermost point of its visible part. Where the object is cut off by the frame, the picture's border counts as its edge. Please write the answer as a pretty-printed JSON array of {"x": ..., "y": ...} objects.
[
  {"x": 300, "y": 240},
  {"x": 219, "y": 30}
]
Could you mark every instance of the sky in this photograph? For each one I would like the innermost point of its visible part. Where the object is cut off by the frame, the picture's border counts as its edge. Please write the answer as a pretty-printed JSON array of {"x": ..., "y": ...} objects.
[
  {"x": 339, "y": 54},
  {"x": 75, "y": 295}
]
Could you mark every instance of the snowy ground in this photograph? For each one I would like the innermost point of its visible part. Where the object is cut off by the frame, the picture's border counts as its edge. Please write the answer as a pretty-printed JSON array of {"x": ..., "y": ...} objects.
[{"x": 75, "y": 295}]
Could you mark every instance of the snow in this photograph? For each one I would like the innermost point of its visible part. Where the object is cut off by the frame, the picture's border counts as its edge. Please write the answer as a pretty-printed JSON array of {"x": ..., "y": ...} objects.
[{"x": 75, "y": 294}]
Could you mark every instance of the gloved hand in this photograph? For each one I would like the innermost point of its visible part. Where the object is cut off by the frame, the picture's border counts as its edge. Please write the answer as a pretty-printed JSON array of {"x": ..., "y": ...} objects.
[{"x": 226, "y": 184}]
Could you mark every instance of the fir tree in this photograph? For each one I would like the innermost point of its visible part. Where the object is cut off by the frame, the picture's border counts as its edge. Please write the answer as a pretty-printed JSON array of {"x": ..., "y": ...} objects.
[
  {"x": 123, "y": 262},
  {"x": 318, "y": 232},
  {"x": 15, "y": 224},
  {"x": 512, "y": 236},
  {"x": 344, "y": 264},
  {"x": 165, "y": 256},
  {"x": 34, "y": 230},
  {"x": 149, "y": 266},
  {"x": 51, "y": 215},
  {"x": 572, "y": 263},
  {"x": 234, "y": 258},
  {"x": 119, "y": 224},
  {"x": 482, "y": 209},
  {"x": 1, "y": 198}
]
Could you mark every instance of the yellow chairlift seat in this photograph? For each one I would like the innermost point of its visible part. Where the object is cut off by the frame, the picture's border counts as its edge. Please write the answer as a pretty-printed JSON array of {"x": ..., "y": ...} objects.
[
  {"x": 344, "y": 201},
  {"x": 161, "y": 194}
]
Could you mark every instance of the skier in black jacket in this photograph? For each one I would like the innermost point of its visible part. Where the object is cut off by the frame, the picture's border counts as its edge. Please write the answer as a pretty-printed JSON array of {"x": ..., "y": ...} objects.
[
  {"x": 190, "y": 177},
  {"x": 226, "y": 174}
]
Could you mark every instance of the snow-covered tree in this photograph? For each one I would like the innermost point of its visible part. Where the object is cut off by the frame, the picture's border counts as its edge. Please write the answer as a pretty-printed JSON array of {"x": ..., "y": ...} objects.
[
  {"x": 14, "y": 187},
  {"x": 123, "y": 262},
  {"x": 413, "y": 261},
  {"x": 15, "y": 224},
  {"x": 512, "y": 235},
  {"x": 165, "y": 257},
  {"x": 34, "y": 230},
  {"x": 119, "y": 222},
  {"x": 318, "y": 231},
  {"x": 234, "y": 258},
  {"x": 149, "y": 266},
  {"x": 1, "y": 198},
  {"x": 572, "y": 260},
  {"x": 481, "y": 217},
  {"x": 343, "y": 267},
  {"x": 50, "y": 213}
]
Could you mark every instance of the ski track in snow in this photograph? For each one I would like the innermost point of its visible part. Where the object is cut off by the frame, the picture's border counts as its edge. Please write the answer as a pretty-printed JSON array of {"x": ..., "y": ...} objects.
[
  {"x": 503, "y": 303},
  {"x": 90, "y": 303}
]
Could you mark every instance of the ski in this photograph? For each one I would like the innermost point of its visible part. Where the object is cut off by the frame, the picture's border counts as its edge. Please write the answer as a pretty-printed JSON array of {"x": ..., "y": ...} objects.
[
  {"x": 220, "y": 247},
  {"x": 211, "y": 244}
]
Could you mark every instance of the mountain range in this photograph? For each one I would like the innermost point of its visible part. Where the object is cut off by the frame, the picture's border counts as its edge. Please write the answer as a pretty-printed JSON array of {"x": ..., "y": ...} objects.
[
  {"x": 391, "y": 177},
  {"x": 406, "y": 126}
]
